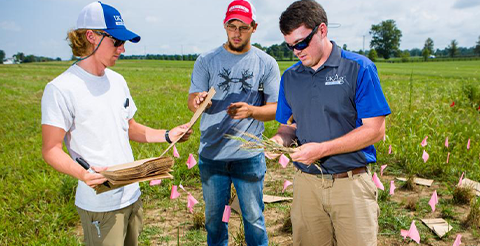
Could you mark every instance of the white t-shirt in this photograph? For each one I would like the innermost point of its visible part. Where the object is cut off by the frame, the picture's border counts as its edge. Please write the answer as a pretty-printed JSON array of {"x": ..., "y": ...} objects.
[{"x": 94, "y": 113}]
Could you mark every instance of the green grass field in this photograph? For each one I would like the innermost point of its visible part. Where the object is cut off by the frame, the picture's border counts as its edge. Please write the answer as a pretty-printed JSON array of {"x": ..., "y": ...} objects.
[{"x": 37, "y": 203}]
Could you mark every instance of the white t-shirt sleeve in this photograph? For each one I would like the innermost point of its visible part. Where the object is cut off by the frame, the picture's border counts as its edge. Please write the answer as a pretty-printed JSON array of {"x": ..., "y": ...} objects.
[{"x": 55, "y": 109}]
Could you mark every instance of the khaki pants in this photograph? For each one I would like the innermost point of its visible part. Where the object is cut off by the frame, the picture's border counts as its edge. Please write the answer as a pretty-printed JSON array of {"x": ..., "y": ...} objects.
[
  {"x": 114, "y": 228},
  {"x": 339, "y": 212}
]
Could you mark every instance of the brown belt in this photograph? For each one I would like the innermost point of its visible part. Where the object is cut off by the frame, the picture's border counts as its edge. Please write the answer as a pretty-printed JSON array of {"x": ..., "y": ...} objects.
[{"x": 357, "y": 170}]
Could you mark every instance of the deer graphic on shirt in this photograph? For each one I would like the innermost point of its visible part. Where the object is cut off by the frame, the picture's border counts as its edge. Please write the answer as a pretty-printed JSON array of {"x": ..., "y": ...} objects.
[{"x": 225, "y": 85}]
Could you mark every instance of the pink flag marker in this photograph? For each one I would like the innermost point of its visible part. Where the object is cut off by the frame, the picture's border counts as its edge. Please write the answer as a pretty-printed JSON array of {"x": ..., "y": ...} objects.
[
  {"x": 424, "y": 141},
  {"x": 191, "y": 202},
  {"x": 453, "y": 104},
  {"x": 283, "y": 161},
  {"x": 226, "y": 214},
  {"x": 446, "y": 142},
  {"x": 411, "y": 233},
  {"x": 392, "y": 187},
  {"x": 155, "y": 182},
  {"x": 175, "y": 152},
  {"x": 191, "y": 162},
  {"x": 389, "y": 149},
  {"x": 468, "y": 144},
  {"x": 385, "y": 135},
  {"x": 458, "y": 240},
  {"x": 461, "y": 179},
  {"x": 286, "y": 184},
  {"x": 425, "y": 156},
  {"x": 174, "y": 194},
  {"x": 181, "y": 187},
  {"x": 433, "y": 200},
  {"x": 382, "y": 168},
  {"x": 448, "y": 157},
  {"x": 377, "y": 182}
]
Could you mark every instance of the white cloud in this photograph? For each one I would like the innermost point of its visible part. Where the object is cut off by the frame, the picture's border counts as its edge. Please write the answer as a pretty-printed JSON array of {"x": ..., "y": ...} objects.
[
  {"x": 463, "y": 4},
  {"x": 10, "y": 26},
  {"x": 151, "y": 19}
]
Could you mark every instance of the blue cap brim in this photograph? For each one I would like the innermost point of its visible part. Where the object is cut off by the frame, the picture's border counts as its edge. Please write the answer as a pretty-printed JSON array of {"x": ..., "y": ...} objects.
[{"x": 123, "y": 34}]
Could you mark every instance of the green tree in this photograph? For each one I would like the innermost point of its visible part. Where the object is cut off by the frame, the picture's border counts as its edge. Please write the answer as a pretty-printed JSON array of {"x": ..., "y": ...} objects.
[
  {"x": 344, "y": 47},
  {"x": 259, "y": 46},
  {"x": 477, "y": 47},
  {"x": 405, "y": 56},
  {"x": 2, "y": 56},
  {"x": 385, "y": 38},
  {"x": 429, "y": 45},
  {"x": 453, "y": 48},
  {"x": 425, "y": 54},
  {"x": 19, "y": 56},
  {"x": 372, "y": 55}
]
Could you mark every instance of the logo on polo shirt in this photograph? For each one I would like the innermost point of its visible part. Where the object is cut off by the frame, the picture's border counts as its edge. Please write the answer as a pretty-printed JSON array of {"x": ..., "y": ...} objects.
[
  {"x": 335, "y": 80},
  {"x": 118, "y": 20}
]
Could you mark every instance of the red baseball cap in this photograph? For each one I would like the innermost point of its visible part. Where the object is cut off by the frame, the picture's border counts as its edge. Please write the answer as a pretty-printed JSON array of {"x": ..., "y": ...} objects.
[{"x": 241, "y": 10}]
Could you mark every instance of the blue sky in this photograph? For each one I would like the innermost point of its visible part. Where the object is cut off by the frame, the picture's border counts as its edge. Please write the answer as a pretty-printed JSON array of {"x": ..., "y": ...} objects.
[{"x": 39, "y": 27}]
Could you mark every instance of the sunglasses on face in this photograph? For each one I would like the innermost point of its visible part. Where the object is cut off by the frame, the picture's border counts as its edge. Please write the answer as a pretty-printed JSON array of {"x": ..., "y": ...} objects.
[
  {"x": 116, "y": 42},
  {"x": 304, "y": 43},
  {"x": 241, "y": 29}
]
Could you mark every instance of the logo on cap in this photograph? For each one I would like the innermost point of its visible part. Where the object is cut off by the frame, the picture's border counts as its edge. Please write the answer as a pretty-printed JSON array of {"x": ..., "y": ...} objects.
[
  {"x": 118, "y": 20},
  {"x": 239, "y": 8}
]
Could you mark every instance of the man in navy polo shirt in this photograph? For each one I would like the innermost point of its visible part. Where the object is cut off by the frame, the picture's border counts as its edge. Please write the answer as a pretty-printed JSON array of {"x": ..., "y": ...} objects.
[{"x": 338, "y": 109}]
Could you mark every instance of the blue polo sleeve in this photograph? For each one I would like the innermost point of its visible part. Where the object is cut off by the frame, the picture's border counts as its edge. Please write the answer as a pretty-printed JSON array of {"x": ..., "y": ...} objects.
[
  {"x": 283, "y": 109},
  {"x": 369, "y": 98}
]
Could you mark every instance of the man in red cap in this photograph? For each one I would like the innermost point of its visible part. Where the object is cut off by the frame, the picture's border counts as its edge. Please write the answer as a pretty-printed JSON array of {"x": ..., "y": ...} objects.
[{"x": 247, "y": 82}]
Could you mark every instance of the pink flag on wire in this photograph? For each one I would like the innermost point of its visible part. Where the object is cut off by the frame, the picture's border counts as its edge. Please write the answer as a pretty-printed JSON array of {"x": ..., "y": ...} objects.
[
  {"x": 424, "y": 141},
  {"x": 191, "y": 202},
  {"x": 382, "y": 168},
  {"x": 175, "y": 152},
  {"x": 174, "y": 194},
  {"x": 446, "y": 142},
  {"x": 453, "y": 104},
  {"x": 377, "y": 182},
  {"x": 392, "y": 187},
  {"x": 461, "y": 179},
  {"x": 468, "y": 144},
  {"x": 389, "y": 149},
  {"x": 155, "y": 182},
  {"x": 191, "y": 162},
  {"x": 458, "y": 240},
  {"x": 448, "y": 157},
  {"x": 283, "y": 161},
  {"x": 425, "y": 156},
  {"x": 181, "y": 187},
  {"x": 385, "y": 135},
  {"x": 226, "y": 214},
  {"x": 411, "y": 233},
  {"x": 433, "y": 200},
  {"x": 286, "y": 184}
]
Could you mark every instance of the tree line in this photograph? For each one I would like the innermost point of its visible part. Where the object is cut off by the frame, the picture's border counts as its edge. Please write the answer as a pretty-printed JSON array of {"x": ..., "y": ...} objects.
[{"x": 385, "y": 43}]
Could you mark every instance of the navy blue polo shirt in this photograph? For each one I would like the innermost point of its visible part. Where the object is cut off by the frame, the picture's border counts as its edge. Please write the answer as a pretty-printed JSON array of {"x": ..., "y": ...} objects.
[{"x": 330, "y": 102}]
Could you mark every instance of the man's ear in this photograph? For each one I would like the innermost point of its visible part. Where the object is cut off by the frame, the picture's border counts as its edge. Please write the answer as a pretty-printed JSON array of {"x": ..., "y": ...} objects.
[
  {"x": 255, "y": 27},
  {"x": 90, "y": 36}
]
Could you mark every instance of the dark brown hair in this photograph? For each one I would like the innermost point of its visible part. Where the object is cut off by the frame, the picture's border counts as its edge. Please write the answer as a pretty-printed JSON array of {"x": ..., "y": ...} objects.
[{"x": 303, "y": 12}]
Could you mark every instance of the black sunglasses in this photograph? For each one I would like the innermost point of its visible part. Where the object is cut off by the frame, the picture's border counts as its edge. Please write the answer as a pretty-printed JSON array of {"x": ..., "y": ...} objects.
[
  {"x": 304, "y": 43},
  {"x": 116, "y": 42}
]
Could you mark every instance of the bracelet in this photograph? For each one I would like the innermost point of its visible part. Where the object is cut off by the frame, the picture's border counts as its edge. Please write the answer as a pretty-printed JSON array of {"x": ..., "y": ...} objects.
[{"x": 167, "y": 138}]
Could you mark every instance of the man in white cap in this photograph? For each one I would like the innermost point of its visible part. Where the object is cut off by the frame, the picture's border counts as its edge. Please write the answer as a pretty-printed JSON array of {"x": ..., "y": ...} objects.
[
  {"x": 247, "y": 82},
  {"x": 90, "y": 108}
]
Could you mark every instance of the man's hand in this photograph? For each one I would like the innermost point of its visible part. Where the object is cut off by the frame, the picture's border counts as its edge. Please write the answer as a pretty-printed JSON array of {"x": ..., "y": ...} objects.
[
  {"x": 94, "y": 179},
  {"x": 200, "y": 98},
  {"x": 176, "y": 132},
  {"x": 240, "y": 110},
  {"x": 270, "y": 155},
  {"x": 308, "y": 153}
]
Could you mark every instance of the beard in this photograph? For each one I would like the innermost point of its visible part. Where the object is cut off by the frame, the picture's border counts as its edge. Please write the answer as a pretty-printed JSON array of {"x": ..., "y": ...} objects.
[{"x": 239, "y": 48}]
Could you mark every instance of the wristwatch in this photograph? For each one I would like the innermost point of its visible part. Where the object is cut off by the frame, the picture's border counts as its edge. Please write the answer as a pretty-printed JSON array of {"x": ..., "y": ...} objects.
[{"x": 167, "y": 138}]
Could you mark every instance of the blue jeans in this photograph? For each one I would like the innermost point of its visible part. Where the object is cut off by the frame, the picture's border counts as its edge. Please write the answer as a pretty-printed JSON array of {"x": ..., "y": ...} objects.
[{"x": 247, "y": 177}]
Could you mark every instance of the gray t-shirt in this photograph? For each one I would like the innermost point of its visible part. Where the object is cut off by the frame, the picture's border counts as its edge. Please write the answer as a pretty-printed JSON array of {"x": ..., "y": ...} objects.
[{"x": 236, "y": 78}]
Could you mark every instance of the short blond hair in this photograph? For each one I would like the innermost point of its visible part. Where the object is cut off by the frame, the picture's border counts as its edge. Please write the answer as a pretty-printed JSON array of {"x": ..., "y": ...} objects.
[{"x": 77, "y": 40}]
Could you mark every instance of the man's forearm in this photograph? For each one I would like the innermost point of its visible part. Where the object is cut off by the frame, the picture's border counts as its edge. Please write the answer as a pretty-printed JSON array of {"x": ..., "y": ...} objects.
[
  {"x": 62, "y": 162},
  {"x": 144, "y": 134},
  {"x": 285, "y": 135},
  {"x": 265, "y": 112}
]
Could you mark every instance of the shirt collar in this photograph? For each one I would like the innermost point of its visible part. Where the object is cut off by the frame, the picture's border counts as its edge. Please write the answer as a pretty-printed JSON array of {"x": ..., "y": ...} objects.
[{"x": 332, "y": 61}]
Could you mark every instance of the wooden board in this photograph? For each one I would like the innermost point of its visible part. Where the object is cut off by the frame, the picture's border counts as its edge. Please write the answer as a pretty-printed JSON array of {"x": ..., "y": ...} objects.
[
  {"x": 419, "y": 181},
  {"x": 201, "y": 108},
  {"x": 235, "y": 205},
  {"x": 438, "y": 226},
  {"x": 102, "y": 188}
]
